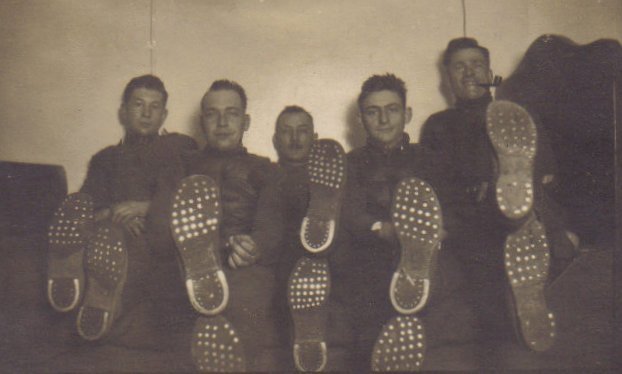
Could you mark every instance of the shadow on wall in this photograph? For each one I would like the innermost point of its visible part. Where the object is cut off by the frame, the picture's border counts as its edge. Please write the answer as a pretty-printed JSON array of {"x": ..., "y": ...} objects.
[
  {"x": 570, "y": 87},
  {"x": 355, "y": 132},
  {"x": 443, "y": 83},
  {"x": 195, "y": 130}
]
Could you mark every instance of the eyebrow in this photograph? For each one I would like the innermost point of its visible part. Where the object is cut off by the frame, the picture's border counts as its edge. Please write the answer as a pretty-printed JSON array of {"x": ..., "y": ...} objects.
[
  {"x": 305, "y": 125},
  {"x": 378, "y": 106}
]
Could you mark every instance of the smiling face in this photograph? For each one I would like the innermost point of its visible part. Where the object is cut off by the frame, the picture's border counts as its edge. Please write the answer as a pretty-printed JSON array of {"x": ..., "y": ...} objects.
[
  {"x": 144, "y": 112},
  {"x": 385, "y": 116},
  {"x": 467, "y": 68},
  {"x": 294, "y": 136},
  {"x": 224, "y": 119}
]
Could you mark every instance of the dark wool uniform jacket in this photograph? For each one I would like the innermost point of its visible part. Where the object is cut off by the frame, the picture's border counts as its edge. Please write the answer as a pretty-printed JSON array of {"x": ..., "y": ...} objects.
[
  {"x": 373, "y": 175},
  {"x": 133, "y": 169},
  {"x": 240, "y": 177},
  {"x": 282, "y": 206},
  {"x": 460, "y": 134}
]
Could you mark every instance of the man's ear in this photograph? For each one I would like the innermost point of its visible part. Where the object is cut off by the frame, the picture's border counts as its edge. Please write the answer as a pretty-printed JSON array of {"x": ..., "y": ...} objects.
[
  {"x": 201, "y": 124},
  {"x": 409, "y": 114},
  {"x": 122, "y": 115},
  {"x": 247, "y": 122},
  {"x": 315, "y": 136},
  {"x": 274, "y": 142}
]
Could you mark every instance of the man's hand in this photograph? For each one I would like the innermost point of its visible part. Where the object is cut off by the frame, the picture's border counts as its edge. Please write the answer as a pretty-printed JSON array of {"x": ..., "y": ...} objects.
[
  {"x": 481, "y": 192},
  {"x": 102, "y": 214},
  {"x": 385, "y": 231},
  {"x": 244, "y": 251},
  {"x": 135, "y": 226},
  {"x": 128, "y": 210}
]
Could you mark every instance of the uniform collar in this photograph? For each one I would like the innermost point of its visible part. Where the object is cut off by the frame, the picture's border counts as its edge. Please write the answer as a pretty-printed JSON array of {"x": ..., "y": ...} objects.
[
  {"x": 135, "y": 139},
  {"x": 209, "y": 151},
  {"x": 475, "y": 104},
  {"x": 378, "y": 147}
]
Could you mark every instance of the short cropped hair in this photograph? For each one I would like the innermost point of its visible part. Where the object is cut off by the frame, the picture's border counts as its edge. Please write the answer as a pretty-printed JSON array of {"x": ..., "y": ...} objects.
[
  {"x": 377, "y": 83},
  {"x": 225, "y": 84},
  {"x": 147, "y": 81},
  {"x": 457, "y": 44},
  {"x": 293, "y": 109}
]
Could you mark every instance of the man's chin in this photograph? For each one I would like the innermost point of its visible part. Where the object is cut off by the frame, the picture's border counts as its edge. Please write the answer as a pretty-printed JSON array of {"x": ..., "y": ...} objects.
[
  {"x": 223, "y": 145},
  {"x": 474, "y": 93},
  {"x": 144, "y": 132},
  {"x": 387, "y": 138}
]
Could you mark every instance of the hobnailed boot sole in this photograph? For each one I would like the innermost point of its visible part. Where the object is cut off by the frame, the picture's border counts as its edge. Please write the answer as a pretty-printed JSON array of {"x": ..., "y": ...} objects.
[
  {"x": 216, "y": 346},
  {"x": 308, "y": 290},
  {"x": 327, "y": 179},
  {"x": 526, "y": 264},
  {"x": 195, "y": 220},
  {"x": 513, "y": 135},
  {"x": 417, "y": 219},
  {"x": 67, "y": 237},
  {"x": 400, "y": 345},
  {"x": 106, "y": 270}
]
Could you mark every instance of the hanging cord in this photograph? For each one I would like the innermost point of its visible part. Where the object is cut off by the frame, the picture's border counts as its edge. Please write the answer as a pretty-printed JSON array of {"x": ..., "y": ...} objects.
[
  {"x": 151, "y": 41},
  {"x": 464, "y": 19}
]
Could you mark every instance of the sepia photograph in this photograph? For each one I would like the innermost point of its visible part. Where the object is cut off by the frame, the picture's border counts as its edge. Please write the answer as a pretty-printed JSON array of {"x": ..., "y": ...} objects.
[{"x": 308, "y": 186}]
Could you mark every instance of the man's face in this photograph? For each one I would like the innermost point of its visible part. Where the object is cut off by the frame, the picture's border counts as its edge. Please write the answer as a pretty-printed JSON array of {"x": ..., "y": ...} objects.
[
  {"x": 223, "y": 119},
  {"x": 144, "y": 113},
  {"x": 384, "y": 116},
  {"x": 294, "y": 136},
  {"x": 467, "y": 68}
]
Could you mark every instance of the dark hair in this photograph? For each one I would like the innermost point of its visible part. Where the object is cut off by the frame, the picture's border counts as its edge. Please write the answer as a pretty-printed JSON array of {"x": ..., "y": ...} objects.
[
  {"x": 147, "y": 81},
  {"x": 225, "y": 84},
  {"x": 377, "y": 83},
  {"x": 293, "y": 109},
  {"x": 457, "y": 44}
]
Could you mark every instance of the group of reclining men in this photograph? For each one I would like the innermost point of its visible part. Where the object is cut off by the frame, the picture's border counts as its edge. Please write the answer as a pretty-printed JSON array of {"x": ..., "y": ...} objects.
[{"x": 380, "y": 255}]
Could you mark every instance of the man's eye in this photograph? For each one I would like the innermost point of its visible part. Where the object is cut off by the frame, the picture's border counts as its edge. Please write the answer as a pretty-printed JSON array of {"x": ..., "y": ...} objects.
[{"x": 371, "y": 112}]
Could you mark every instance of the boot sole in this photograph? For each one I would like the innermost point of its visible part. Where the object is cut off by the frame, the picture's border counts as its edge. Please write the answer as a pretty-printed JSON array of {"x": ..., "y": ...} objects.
[
  {"x": 66, "y": 243},
  {"x": 400, "y": 345},
  {"x": 106, "y": 270},
  {"x": 418, "y": 223},
  {"x": 216, "y": 346},
  {"x": 195, "y": 220},
  {"x": 308, "y": 290},
  {"x": 513, "y": 136},
  {"x": 327, "y": 179},
  {"x": 526, "y": 264}
]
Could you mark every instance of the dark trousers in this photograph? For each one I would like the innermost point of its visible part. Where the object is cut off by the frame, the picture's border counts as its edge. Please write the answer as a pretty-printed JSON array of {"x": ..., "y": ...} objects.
[
  {"x": 448, "y": 317},
  {"x": 250, "y": 310}
]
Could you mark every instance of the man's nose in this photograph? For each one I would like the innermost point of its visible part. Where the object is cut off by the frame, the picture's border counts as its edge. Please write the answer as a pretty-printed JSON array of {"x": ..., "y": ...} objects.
[
  {"x": 294, "y": 139},
  {"x": 469, "y": 71},
  {"x": 222, "y": 120},
  {"x": 384, "y": 116},
  {"x": 146, "y": 111}
]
